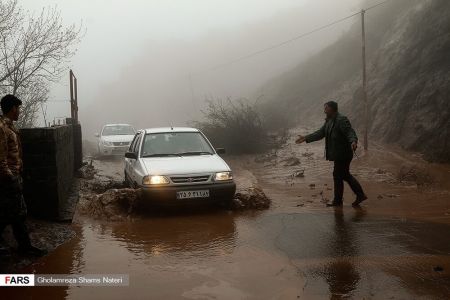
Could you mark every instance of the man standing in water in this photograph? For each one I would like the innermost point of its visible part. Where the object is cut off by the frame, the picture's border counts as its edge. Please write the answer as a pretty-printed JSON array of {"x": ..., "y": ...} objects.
[
  {"x": 13, "y": 210},
  {"x": 340, "y": 143}
]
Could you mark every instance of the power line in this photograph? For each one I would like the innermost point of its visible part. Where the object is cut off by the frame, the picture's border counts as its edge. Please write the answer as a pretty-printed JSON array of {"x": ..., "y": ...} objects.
[
  {"x": 376, "y": 5},
  {"x": 62, "y": 101},
  {"x": 219, "y": 66}
]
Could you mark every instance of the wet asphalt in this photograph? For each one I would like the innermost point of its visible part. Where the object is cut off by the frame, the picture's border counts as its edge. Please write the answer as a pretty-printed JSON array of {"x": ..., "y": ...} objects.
[{"x": 290, "y": 251}]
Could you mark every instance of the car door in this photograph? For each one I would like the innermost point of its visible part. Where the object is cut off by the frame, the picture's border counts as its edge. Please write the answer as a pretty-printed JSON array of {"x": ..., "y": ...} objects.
[
  {"x": 134, "y": 163},
  {"x": 128, "y": 169}
]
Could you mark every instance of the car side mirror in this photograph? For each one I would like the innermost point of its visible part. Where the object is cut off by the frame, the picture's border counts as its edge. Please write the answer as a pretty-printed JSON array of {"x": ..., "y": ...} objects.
[
  {"x": 220, "y": 150},
  {"x": 131, "y": 155},
  {"x": 97, "y": 135}
]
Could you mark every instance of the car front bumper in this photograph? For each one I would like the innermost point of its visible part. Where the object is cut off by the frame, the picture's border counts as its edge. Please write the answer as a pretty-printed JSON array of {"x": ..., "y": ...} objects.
[{"x": 167, "y": 195}]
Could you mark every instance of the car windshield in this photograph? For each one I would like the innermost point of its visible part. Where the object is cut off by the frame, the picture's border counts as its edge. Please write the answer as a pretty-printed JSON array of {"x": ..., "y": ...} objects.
[
  {"x": 118, "y": 130},
  {"x": 175, "y": 144}
]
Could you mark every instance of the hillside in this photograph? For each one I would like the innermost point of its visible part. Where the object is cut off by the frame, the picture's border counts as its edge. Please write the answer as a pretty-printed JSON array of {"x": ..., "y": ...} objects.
[{"x": 408, "y": 54}]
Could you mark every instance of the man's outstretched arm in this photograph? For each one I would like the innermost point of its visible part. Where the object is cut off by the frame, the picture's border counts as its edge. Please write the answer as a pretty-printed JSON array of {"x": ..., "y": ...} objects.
[{"x": 315, "y": 136}]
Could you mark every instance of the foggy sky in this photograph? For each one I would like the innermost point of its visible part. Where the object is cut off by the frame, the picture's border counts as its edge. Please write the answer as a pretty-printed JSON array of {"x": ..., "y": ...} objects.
[{"x": 133, "y": 63}]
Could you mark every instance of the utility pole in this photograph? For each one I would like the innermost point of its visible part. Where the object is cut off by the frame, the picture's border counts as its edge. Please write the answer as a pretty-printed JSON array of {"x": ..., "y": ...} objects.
[{"x": 364, "y": 79}]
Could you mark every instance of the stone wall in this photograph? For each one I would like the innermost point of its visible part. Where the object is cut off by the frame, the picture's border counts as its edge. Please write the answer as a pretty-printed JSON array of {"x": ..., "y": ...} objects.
[{"x": 49, "y": 165}]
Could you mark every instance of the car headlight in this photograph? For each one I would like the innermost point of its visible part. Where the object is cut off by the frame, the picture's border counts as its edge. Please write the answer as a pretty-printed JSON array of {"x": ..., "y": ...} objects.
[
  {"x": 155, "y": 180},
  {"x": 223, "y": 176},
  {"x": 106, "y": 143}
]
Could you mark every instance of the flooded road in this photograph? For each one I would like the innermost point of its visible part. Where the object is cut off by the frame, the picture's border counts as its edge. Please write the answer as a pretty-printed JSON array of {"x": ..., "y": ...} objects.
[{"x": 394, "y": 247}]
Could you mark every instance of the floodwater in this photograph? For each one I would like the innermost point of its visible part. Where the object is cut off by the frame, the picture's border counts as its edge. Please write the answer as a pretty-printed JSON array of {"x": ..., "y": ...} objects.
[{"x": 296, "y": 250}]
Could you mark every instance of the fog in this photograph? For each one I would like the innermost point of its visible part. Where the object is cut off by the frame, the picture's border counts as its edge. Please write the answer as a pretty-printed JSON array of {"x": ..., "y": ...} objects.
[{"x": 153, "y": 63}]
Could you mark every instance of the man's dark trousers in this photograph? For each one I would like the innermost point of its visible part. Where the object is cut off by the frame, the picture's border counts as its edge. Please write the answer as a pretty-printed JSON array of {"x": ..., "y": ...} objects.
[
  {"x": 20, "y": 232},
  {"x": 14, "y": 211},
  {"x": 341, "y": 173}
]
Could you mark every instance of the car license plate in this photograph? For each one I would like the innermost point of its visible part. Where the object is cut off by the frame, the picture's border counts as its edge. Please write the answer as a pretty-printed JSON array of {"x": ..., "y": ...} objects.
[{"x": 193, "y": 194}]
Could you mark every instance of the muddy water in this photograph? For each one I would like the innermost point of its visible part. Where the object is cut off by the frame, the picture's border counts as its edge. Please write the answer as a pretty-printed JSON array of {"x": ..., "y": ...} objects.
[
  {"x": 267, "y": 256},
  {"x": 214, "y": 254},
  {"x": 392, "y": 248}
]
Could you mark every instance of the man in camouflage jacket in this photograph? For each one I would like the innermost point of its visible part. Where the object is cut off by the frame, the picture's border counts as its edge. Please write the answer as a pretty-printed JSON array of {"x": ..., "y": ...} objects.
[{"x": 13, "y": 209}]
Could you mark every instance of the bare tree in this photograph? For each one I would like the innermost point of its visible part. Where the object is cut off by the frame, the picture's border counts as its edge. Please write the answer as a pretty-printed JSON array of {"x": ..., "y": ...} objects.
[
  {"x": 34, "y": 52},
  {"x": 35, "y": 95}
]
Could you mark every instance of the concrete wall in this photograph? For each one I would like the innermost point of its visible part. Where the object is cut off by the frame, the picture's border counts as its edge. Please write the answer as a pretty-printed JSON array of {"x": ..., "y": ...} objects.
[
  {"x": 49, "y": 165},
  {"x": 77, "y": 143},
  {"x": 77, "y": 146}
]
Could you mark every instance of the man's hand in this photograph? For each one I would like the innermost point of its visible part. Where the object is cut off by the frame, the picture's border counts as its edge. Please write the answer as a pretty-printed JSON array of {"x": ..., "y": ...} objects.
[
  {"x": 354, "y": 146},
  {"x": 300, "y": 139}
]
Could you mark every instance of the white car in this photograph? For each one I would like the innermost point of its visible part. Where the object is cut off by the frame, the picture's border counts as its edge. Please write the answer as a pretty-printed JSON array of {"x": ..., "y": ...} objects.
[
  {"x": 178, "y": 165},
  {"x": 115, "y": 139}
]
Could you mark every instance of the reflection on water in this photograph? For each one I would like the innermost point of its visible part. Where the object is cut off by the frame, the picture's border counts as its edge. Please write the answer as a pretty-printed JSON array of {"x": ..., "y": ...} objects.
[
  {"x": 348, "y": 254},
  {"x": 341, "y": 274},
  {"x": 184, "y": 236},
  {"x": 133, "y": 247}
]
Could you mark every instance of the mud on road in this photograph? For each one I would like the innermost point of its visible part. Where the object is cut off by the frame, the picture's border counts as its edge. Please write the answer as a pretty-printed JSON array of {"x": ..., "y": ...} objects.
[
  {"x": 394, "y": 247},
  {"x": 105, "y": 196}
]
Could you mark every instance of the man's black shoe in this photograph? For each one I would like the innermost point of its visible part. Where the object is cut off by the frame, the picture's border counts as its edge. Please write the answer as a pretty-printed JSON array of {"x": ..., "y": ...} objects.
[
  {"x": 31, "y": 251},
  {"x": 334, "y": 204},
  {"x": 359, "y": 200}
]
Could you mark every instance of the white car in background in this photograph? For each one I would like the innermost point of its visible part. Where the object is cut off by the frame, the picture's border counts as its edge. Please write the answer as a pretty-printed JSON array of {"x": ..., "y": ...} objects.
[
  {"x": 115, "y": 139},
  {"x": 176, "y": 166}
]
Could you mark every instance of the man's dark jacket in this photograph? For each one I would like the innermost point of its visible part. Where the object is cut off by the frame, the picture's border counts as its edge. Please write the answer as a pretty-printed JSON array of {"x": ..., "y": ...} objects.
[{"x": 339, "y": 136}]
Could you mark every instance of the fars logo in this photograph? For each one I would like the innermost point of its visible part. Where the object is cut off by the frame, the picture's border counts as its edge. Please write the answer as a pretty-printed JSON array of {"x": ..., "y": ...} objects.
[{"x": 17, "y": 280}]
